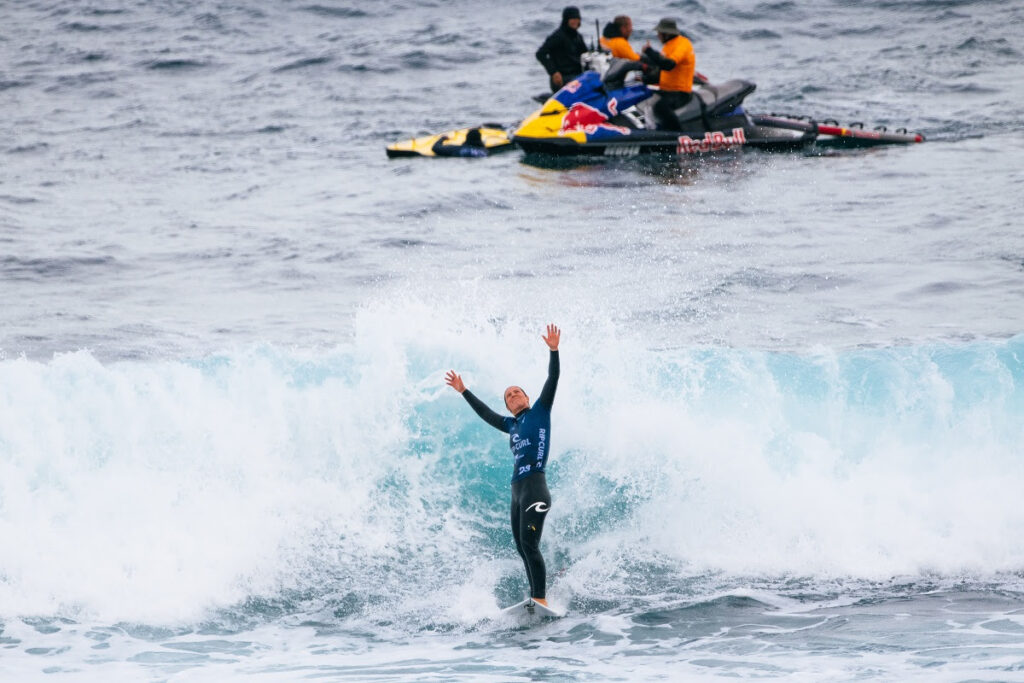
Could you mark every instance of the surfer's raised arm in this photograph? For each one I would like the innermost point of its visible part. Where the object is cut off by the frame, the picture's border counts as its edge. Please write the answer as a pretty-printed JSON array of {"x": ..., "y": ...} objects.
[
  {"x": 547, "y": 394},
  {"x": 453, "y": 380}
]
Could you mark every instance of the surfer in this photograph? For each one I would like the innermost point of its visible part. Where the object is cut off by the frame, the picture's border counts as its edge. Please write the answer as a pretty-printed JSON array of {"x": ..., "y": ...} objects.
[{"x": 529, "y": 433}]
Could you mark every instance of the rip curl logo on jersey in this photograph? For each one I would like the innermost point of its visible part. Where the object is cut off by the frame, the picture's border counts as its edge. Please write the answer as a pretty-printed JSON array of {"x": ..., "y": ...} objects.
[
  {"x": 540, "y": 506},
  {"x": 712, "y": 142},
  {"x": 519, "y": 443}
]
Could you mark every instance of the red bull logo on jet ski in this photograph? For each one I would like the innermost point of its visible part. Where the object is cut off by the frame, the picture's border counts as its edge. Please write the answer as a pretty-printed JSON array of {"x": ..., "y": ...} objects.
[
  {"x": 712, "y": 142},
  {"x": 583, "y": 117}
]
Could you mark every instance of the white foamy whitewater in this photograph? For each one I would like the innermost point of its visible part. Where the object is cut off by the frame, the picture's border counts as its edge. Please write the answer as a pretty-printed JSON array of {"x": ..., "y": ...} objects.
[{"x": 219, "y": 512}]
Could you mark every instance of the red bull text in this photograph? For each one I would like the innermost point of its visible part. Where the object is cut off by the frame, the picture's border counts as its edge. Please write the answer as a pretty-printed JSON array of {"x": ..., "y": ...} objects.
[{"x": 712, "y": 142}]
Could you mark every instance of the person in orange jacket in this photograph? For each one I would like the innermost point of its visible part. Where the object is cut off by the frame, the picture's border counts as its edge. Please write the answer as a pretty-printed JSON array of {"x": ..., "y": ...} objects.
[
  {"x": 615, "y": 38},
  {"x": 678, "y": 63}
]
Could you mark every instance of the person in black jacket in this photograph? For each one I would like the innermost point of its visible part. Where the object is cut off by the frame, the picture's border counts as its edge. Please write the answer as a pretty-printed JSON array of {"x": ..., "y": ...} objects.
[{"x": 560, "y": 53}]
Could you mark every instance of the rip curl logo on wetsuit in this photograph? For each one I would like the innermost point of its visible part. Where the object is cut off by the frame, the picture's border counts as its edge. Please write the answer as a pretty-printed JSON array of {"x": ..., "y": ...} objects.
[{"x": 539, "y": 506}]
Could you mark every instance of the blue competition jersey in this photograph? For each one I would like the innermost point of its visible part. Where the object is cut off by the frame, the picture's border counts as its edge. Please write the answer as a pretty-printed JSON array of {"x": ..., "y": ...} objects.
[
  {"x": 528, "y": 439},
  {"x": 530, "y": 431}
]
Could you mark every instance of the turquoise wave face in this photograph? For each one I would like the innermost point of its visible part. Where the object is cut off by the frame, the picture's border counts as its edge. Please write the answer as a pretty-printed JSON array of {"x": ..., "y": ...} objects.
[{"x": 353, "y": 479}]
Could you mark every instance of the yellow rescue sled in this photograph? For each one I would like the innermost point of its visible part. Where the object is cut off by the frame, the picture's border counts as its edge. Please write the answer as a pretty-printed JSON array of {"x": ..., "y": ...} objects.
[{"x": 496, "y": 139}]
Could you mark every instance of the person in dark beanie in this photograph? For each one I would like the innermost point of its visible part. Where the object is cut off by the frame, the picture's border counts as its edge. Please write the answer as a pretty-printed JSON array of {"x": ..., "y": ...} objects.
[{"x": 560, "y": 53}]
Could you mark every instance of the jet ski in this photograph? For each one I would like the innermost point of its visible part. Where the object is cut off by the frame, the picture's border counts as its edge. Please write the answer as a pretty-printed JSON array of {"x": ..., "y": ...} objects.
[{"x": 603, "y": 115}]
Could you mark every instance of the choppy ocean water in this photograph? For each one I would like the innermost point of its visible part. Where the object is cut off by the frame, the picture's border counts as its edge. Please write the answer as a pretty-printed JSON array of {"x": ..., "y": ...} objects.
[{"x": 788, "y": 435}]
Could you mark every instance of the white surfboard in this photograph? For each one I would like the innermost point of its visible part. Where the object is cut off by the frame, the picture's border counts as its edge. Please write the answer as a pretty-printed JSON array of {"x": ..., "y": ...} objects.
[{"x": 530, "y": 608}]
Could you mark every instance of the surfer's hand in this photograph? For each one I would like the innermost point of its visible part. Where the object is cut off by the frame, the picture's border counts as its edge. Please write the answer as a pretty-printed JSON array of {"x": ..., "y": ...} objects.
[
  {"x": 552, "y": 337},
  {"x": 454, "y": 381},
  {"x": 556, "y": 78}
]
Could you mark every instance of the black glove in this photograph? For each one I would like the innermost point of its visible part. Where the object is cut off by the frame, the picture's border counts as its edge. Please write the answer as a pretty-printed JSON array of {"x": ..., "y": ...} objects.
[{"x": 659, "y": 60}]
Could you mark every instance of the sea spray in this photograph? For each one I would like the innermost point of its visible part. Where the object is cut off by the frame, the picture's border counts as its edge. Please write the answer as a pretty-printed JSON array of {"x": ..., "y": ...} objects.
[{"x": 352, "y": 481}]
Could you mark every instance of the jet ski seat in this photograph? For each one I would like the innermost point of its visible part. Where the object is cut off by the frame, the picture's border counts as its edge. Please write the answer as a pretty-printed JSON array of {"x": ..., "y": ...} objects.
[{"x": 714, "y": 100}]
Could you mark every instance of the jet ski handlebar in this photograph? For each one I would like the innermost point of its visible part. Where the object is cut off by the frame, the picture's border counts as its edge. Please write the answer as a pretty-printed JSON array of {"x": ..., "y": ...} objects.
[{"x": 615, "y": 77}]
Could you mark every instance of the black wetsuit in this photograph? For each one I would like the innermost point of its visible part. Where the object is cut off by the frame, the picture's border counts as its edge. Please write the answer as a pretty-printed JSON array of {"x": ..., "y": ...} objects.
[
  {"x": 561, "y": 52},
  {"x": 441, "y": 149},
  {"x": 530, "y": 440}
]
